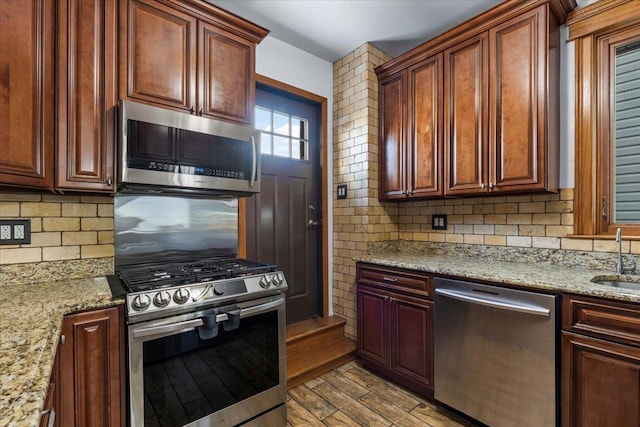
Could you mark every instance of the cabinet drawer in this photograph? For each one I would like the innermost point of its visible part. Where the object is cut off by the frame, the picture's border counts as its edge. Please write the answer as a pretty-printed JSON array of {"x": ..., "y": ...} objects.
[
  {"x": 597, "y": 317},
  {"x": 395, "y": 278}
]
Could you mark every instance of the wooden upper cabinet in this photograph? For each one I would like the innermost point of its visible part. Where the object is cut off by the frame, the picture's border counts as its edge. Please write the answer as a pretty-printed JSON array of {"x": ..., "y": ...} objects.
[
  {"x": 411, "y": 130},
  {"x": 159, "y": 55},
  {"x": 87, "y": 95},
  {"x": 424, "y": 141},
  {"x": 189, "y": 55},
  {"x": 465, "y": 118},
  {"x": 519, "y": 144},
  {"x": 226, "y": 75},
  {"x": 26, "y": 93},
  {"x": 392, "y": 145}
]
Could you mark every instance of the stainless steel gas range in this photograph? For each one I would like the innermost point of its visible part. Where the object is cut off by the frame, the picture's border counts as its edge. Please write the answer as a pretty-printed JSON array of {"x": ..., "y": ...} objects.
[{"x": 206, "y": 330}]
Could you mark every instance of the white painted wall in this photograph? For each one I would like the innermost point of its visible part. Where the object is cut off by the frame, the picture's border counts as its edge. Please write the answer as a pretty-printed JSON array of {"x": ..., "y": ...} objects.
[{"x": 288, "y": 64}]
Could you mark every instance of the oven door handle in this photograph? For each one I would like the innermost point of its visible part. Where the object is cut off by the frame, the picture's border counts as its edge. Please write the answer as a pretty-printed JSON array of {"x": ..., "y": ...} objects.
[{"x": 190, "y": 324}]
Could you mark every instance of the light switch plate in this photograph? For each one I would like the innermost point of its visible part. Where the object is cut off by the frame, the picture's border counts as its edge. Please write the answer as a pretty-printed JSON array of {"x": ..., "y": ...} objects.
[
  {"x": 342, "y": 191},
  {"x": 438, "y": 222}
]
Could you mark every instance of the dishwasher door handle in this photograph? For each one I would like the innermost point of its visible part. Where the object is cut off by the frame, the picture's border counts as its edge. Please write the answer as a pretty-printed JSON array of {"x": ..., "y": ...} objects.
[{"x": 504, "y": 304}]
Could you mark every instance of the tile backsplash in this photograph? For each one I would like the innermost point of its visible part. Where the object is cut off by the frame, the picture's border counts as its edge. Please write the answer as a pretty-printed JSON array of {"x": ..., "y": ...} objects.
[{"x": 71, "y": 236}]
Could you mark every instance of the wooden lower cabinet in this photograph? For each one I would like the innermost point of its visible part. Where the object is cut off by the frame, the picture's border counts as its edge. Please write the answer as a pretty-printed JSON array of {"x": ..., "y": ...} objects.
[
  {"x": 601, "y": 382},
  {"x": 91, "y": 378},
  {"x": 600, "y": 363},
  {"x": 395, "y": 333},
  {"x": 49, "y": 412}
]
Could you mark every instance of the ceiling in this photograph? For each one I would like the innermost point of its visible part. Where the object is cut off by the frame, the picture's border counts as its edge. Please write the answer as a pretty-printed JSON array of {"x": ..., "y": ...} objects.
[{"x": 330, "y": 29}]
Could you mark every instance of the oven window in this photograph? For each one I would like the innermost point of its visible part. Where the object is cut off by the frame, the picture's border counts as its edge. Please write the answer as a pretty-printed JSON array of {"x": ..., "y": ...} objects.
[{"x": 186, "y": 378}]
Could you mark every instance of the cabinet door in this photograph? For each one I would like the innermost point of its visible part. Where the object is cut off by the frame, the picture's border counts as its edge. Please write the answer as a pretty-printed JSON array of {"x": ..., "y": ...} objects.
[
  {"x": 91, "y": 377},
  {"x": 600, "y": 383},
  {"x": 225, "y": 75},
  {"x": 465, "y": 116},
  {"x": 392, "y": 150},
  {"x": 26, "y": 93},
  {"x": 87, "y": 94},
  {"x": 373, "y": 329},
  {"x": 412, "y": 338},
  {"x": 158, "y": 55},
  {"x": 517, "y": 87},
  {"x": 424, "y": 141}
]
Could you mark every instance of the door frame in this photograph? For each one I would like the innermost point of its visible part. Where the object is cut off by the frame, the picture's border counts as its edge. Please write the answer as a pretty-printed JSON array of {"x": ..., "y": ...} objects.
[{"x": 242, "y": 207}]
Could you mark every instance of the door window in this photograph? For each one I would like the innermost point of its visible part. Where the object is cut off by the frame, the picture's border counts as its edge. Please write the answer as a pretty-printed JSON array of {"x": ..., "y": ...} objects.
[{"x": 282, "y": 134}]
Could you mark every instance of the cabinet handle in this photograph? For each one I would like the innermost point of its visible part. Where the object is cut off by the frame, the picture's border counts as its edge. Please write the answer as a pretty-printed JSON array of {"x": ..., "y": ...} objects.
[
  {"x": 389, "y": 279},
  {"x": 52, "y": 417},
  {"x": 191, "y": 110},
  {"x": 201, "y": 112},
  {"x": 482, "y": 185},
  {"x": 491, "y": 186},
  {"x": 109, "y": 181},
  {"x": 63, "y": 339},
  {"x": 386, "y": 298}
]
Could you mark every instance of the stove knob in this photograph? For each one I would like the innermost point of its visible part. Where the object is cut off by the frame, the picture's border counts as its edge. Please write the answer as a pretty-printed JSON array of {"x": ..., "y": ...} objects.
[
  {"x": 265, "y": 282},
  {"x": 278, "y": 279},
  {"x": 181, "y": 295},
  {"x": 162, "y": 299},
  {"x": 218, "y": 290},
  {"x": 141, "y": 302}
]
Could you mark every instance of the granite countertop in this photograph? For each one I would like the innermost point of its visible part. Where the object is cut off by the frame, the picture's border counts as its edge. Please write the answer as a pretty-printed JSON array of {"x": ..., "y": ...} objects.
[
  {"x": 528, "y": 274},
  {"x": 31, "y": 321}
]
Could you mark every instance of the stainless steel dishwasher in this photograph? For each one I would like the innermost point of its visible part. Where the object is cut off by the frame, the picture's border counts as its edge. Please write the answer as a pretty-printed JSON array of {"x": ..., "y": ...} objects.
[{"x": 496, "y": 353}]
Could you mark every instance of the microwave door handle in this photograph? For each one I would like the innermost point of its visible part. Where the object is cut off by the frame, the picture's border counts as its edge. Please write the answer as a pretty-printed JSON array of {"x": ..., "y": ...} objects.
[{"x": 254, "y": 165}]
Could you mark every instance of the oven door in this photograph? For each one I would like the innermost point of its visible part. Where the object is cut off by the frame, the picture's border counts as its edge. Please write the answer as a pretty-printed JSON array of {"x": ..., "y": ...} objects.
[{"x": 177, "y": 378}]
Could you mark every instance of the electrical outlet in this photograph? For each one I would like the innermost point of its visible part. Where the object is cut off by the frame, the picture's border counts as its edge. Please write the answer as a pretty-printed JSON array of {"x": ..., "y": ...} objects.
[
  {"x": 5, "y": 232},
  {"x": 15, "y": 231},
  {"x": 18, "y": 232}
]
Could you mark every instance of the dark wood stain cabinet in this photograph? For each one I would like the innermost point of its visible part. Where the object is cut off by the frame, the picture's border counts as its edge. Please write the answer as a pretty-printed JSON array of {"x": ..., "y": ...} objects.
[
  {"x": 206, "y": 65},
  {"x": 395, "y": 325},
  {"x": 600, "y": 363},
  {"x": 87, "y": 95},
  {"x": 91, "y": 378},
  {"x": 27, "y": 93},
  {"x": 499, "y": 108}
]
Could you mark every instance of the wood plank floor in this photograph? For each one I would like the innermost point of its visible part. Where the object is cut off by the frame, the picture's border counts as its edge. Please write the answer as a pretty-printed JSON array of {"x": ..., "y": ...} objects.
[{"x": 353, "y": 396}]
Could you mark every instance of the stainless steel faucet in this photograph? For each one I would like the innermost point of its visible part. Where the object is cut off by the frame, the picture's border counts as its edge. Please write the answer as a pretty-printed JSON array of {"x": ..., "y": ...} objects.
[{"x": 620, "y": 267}]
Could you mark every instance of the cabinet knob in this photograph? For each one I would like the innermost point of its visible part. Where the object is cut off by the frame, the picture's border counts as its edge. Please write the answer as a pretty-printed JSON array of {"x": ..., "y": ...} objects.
[
  {"x": 63, "y": 339},
  {"x": 191, "y": 110},
  {"x": 201, "y": 112},
  {"x": 482, "y": 185},
  {"x": 491, "y": 186},
  {"x": 109, "y": 181}
]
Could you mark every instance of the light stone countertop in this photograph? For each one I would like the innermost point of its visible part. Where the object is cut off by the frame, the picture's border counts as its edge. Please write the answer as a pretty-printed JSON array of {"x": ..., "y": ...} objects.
[
  {"x": 30, "y": 323},
  {"x": 532, "y": 275}
]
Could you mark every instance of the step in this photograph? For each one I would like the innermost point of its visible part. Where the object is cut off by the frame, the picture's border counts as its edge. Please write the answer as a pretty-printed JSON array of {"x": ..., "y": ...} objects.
[{"x": 316, "y": 346}]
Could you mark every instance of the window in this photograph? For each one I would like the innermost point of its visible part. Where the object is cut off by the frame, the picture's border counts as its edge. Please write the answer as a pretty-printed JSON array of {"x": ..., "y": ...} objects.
[
  {"x": 282, "y": 134},
  {"x": 607, "y": 46}
]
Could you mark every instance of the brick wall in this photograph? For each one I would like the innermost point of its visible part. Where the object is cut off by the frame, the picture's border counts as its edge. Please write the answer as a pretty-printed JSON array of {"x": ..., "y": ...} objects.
[
  {"x": 63, "y": 228},
  {"x": 361, "y": 218}
]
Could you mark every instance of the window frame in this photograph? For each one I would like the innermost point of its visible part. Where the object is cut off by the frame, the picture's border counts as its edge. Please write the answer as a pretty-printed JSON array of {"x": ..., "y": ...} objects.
[{"x": 596, "y": 29}]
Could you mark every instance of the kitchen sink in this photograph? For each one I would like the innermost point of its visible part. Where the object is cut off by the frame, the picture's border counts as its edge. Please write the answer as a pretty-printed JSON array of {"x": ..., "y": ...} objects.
[{"x": 618, "y": 282}]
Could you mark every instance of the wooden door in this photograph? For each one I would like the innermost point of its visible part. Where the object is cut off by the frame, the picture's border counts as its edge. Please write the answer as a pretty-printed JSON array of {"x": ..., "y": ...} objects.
[
  {"x": 91, "y": 369},
  {"x": 600, "y": 383},
  {"x": 465, "y": 116},
  {"x": 517, "y": 88},
  {"x": 411, "y": 334},
  {"x": 26, "y": 93},
  {"x": 226, "y": 77},
  {"x": 87, "y": 94},
  {"x": 392, "y": 143},
  {"x": 424, "y": 139},
  {"x": 373, "y": 324},
  {"x": 284, "y": 221},
  {"x": 158, "y": 55}
]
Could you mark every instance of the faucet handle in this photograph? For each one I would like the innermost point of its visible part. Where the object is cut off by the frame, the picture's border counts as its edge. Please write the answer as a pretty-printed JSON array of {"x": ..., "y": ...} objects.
[{"x": 631, "y": 268}]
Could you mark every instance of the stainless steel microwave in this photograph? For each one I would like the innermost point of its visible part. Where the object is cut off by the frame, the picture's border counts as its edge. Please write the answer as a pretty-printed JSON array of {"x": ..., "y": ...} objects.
[{"x": 165, "y": 151}]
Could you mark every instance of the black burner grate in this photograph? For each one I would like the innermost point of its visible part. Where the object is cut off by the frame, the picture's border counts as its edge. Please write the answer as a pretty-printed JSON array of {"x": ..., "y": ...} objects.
[{"x": 151, "y": 276}]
